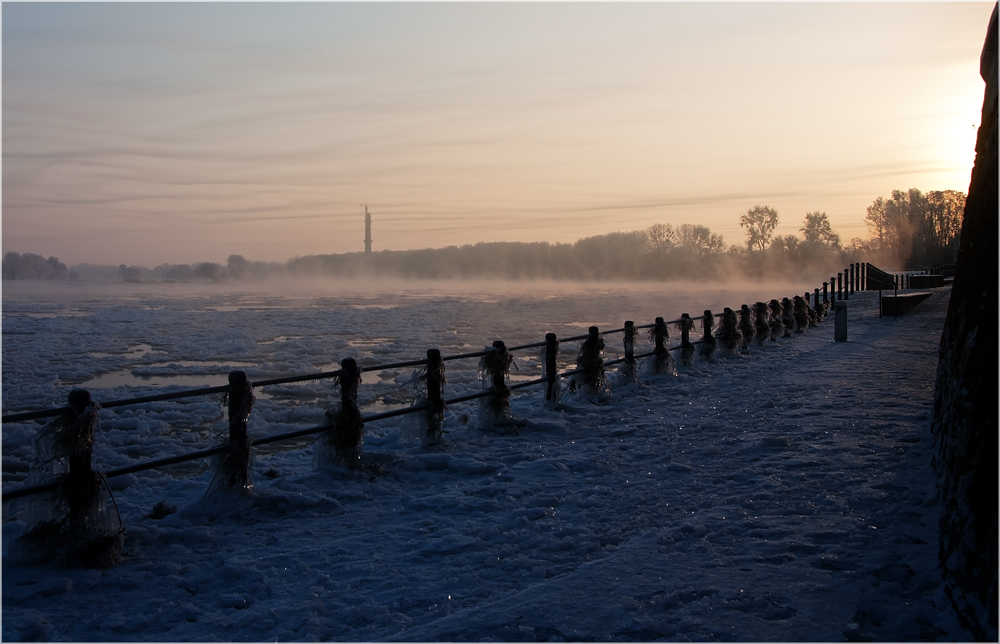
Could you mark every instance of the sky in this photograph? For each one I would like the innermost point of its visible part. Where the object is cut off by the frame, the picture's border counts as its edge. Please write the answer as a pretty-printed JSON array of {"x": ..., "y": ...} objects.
[{"x": 145, "y": 133}]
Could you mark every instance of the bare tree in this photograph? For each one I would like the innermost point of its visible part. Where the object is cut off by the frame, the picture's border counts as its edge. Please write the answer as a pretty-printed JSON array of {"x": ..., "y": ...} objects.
[{"x": 760, "y": 222}]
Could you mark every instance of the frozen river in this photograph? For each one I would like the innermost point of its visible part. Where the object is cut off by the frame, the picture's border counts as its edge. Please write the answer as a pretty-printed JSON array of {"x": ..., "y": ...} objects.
[{"x": 785, "y": 494}]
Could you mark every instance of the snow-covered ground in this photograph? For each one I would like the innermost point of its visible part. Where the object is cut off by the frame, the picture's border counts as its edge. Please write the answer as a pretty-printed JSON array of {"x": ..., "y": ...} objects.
[{"x": 785, "y": 494}]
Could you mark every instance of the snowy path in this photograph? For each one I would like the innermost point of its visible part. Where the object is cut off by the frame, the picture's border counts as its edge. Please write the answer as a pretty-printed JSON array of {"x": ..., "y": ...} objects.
[{"x": 783, "y": 495}]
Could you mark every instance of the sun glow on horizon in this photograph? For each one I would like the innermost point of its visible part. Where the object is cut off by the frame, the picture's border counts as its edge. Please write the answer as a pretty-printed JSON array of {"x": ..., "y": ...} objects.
[{"x": 257, "y": 129}]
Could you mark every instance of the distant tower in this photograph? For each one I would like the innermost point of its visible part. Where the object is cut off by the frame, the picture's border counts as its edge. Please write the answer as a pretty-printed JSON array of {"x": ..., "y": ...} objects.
[{"x": 368, "y": 232}]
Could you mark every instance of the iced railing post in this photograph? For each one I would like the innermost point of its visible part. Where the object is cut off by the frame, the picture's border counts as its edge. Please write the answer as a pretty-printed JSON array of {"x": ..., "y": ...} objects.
[
  {"x": 661, "y": 359},
  {"x": 746, "y": 326},
  {"x": 629, "y": 342},
  {"x": 707, "y": 339},
  {"x": 435, "y": 397},
  {"x": 808, "y": 310},
  {"x": 774, "y": 319},
  {"x": 81, "y": 485},
  {"x": 233, "y": 467},
  {"x": 629, "y": 371},
  {"x": 819, "y": 311},
  {"x": 761, "y": 323},
  {"x": 494, "y": 369},
  {"x": 551, "y": 375},
  {"x": 800, "y": 312},
  {"x": 729, "y": 332},
  {"x": 343, "y": 442},
  {"x": 74, "y": 526},
  {"x": 687, "y": 349},
  {"x": 591, "y": 360}
]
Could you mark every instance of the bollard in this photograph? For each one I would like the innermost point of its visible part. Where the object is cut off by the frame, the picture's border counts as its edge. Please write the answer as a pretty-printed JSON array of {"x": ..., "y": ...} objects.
[
  {"x": 435, "y": 396},
  {"x": 661, "y": 363},
  {"x": 840, "y": 322},
  {"x": 551, "y": 352}
]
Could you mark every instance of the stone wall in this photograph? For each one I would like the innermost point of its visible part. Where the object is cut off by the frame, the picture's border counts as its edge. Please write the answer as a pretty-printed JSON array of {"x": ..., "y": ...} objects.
[{"x": 965, "y": 396}]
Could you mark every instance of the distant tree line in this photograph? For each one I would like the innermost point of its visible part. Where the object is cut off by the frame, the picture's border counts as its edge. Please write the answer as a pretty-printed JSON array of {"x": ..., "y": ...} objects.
[
  {"x": 915, "y": 229},
  {"x": 30, "y": 266},
  {"x": 908, "y": 230}
]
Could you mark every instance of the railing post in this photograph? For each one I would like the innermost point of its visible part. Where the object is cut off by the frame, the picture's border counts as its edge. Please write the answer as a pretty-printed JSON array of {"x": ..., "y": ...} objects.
[
  {"x": 816, "y": 300},
  {"x": 746, "y": 326},
  {"x": 852, "y": 282},
  {"x": 234, "y": 465},
  {"x": 707, "y": 326},
  {"x": 347, "y": 431},
  {"x": 629, "y": 342},
  {"x": 847, "y": 283},
  {"x": 629, "y": 372},
  {"x": 662, "y": 357},
  {"x": 551, "y": 352},
  {"x": 352, "y": 435},
  {"x": 826, "y": 300},
  {"x": 591, "y": 360},
  {"x": 729, "y": 331},
  {"x": 687, "y": 349},
  {"x": 80, "y": 481},
  {"x": 495, "y": 367},
  {"x": 864, "y": 276},
  {"x": 840, "y": 286},
  {"x": 435, "y": 397}
]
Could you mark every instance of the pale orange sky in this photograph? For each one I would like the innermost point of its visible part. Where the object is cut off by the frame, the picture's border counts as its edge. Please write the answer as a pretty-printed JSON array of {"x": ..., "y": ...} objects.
[{"x": 148, "y": 133}]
